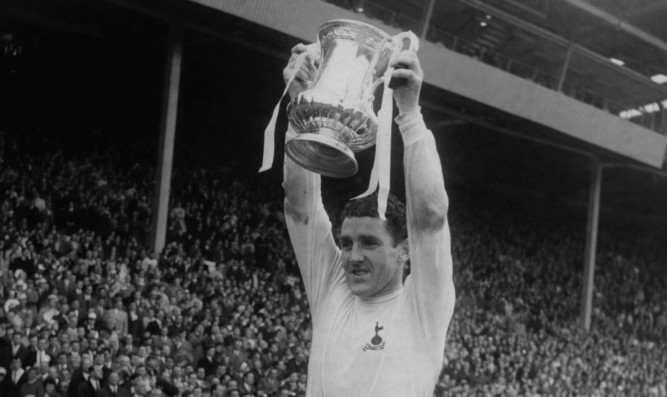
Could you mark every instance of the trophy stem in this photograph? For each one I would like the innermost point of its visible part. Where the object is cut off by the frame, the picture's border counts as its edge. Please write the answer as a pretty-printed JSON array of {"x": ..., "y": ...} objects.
[{"x": 322, "y": 153}]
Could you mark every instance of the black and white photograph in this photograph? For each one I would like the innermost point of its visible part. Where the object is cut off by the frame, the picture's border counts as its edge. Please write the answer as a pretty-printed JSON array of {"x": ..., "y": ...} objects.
[{"x": 333, "y": 198}]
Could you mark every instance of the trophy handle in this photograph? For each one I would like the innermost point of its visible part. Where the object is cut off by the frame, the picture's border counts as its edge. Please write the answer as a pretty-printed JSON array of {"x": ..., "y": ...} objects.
[
  {"x": 412, "y": 39},
  {"x": 398, "y": 43}
]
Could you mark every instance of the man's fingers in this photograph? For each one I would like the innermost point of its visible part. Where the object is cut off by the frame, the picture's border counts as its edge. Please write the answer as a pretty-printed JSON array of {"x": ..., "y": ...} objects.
[
  {"x": 306, "y": 71},
  {"x": 407, "y": 74},
  {"x": 302, "y": 76},
  {"x": 299, "y": 48},
  {"x": 407, "y": 60}
]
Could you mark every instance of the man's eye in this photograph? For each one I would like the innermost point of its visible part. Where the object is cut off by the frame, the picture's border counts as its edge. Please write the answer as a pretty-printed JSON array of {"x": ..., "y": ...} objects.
[
  {"x": 369, "y": 242},
  {"x": 345, "y": 244}
]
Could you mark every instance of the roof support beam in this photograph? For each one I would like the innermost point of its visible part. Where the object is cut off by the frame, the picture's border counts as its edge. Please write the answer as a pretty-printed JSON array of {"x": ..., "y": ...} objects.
[
  {"x": 626, "y": 27},
  {"x": 556, "y": 39}
]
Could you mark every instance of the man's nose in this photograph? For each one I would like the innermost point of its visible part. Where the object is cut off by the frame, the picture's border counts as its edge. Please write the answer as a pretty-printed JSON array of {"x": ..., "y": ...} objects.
[{"x": 356, "y": 254}]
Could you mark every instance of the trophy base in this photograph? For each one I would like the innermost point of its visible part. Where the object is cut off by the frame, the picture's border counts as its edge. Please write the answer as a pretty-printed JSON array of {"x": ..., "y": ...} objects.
[{"x": 323, "y": 154}]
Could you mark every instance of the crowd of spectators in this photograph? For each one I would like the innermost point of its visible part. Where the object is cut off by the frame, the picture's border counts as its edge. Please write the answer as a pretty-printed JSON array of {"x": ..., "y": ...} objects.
[{"x": 87, "y": 310}]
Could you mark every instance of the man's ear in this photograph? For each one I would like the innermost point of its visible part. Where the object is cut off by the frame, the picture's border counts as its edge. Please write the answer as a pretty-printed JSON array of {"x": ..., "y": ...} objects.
[{"x": 403, "y": 252}]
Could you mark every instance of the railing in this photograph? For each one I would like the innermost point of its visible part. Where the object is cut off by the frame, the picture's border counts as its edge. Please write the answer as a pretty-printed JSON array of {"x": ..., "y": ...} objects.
[{"x": 650, "y": 116}]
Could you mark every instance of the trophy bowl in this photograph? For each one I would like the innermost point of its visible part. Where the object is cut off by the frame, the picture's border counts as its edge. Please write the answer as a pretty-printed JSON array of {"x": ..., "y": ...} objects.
[{"x": 334, "y": 118}]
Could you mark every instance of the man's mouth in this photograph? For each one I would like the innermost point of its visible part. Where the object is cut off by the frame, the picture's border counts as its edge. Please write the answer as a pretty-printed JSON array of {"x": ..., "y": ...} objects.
[{"x": 359, "y": 272}]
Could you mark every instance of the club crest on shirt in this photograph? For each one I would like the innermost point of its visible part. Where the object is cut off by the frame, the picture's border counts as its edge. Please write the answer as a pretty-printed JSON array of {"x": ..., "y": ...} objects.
[{"x": 376, "y": 342}]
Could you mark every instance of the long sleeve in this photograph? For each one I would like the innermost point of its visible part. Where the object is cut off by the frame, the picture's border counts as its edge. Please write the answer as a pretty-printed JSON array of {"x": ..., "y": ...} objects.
[
  {"x": 428, "y": 229},
  {"x": 310, "y": 231}
]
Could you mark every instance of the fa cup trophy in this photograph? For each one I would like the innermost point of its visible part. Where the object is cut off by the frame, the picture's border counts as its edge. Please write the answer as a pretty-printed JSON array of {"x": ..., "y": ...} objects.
[{"x": 334, "y": 117}]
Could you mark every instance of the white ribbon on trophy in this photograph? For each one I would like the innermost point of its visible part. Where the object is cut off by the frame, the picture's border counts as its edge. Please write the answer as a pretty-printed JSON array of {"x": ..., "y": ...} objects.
[
  {"x": 270, "y": 131},
  {"x": 381, "y": 172}
]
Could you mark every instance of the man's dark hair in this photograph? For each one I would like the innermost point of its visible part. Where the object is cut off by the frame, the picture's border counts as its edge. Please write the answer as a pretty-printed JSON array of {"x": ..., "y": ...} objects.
[{"x": 368, "y": 207}]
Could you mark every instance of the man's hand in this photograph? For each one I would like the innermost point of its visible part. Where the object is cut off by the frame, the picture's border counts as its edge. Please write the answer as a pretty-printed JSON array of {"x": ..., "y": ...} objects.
[
  {"x": 304, "y": 75},
  {"x": 407, "y": 95}
]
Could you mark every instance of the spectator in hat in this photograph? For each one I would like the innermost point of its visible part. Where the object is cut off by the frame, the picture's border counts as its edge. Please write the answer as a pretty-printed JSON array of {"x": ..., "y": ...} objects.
[
  {"x": 91, "y": 323},
  {"x": 48, "y": 312},
  {"x": 116, "y": 318}
]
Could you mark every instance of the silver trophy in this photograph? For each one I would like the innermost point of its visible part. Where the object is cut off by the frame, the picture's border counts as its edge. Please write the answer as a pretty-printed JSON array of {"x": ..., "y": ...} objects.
[{"x": 334, "y": 117}]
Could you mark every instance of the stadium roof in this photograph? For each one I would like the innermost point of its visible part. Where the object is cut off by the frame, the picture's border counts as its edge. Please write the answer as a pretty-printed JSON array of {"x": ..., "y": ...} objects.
[{"x": 245, "y": 57}]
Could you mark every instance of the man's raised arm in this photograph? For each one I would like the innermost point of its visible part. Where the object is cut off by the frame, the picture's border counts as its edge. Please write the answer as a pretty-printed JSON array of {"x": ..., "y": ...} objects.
[
  {"x": 427, "y": 205},
  {"x": 307, "y": 221}
]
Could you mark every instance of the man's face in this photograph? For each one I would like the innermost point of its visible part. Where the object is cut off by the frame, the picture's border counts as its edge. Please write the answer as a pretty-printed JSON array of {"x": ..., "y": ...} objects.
[
  {"x": 113, "y": 379},
  {"x": 373, "y": 266},
  {"x": 87, "y": 363}
]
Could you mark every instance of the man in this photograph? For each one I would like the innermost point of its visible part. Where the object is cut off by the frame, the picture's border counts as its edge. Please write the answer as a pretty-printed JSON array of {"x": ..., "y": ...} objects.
[
  {"x": 18, "y": 348},
  {"x": 80, "y": 375},
  {"x": 41, "y": 356},
  {"x": 91, "y": 325},
  {"x": 94, "y": 384},
  {"x": 116, "y": 318},
  {"x": 141, "y": 386},
  {"x": 18, "y": 377},
  {"x": 373, "y": 334},
  {"x": 66, "y": 284},
  {"x": 269, "y": 384},
  {"x": 113, "y": 388},
  {"x": 34, "y": 386},
  {"x": 61, "y": 361},
  {"x": 208, "y": 362}
]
